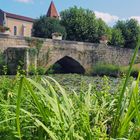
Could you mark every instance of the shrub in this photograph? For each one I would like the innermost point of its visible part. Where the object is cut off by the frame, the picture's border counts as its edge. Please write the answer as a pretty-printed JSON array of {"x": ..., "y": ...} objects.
[
  {"x": 134, "y": 72},
  {"x": 3, "y": 67},
  {"x": 113, "y": 70},
  {"x": 106, "y": 69},
  {"x": 41, "y": 70},
  {"x": 37, "y": 71},
  {"x": 3, "y": 28},
  {"x": 45, "y": 26},
  {"x": 56, "y": 68}
]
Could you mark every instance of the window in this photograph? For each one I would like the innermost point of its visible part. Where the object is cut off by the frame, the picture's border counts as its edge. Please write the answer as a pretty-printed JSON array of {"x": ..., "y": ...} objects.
[
  {"x": 23, "y": 29},
  {"x": 15, "y": 30}
]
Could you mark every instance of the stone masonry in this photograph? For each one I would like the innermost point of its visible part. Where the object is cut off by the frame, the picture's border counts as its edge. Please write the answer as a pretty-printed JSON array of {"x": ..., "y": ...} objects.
[{"x": 85, "y": 54}]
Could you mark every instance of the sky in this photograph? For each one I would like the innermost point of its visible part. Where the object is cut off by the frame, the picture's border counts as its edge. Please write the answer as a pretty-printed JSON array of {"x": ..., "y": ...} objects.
[{"x": 109, "y": 10}]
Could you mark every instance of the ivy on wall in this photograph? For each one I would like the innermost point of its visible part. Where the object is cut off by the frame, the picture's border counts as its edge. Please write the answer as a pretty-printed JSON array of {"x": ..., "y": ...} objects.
[
  {"x": 3, "y": 66},
  {"x": 35, "y": 45}
]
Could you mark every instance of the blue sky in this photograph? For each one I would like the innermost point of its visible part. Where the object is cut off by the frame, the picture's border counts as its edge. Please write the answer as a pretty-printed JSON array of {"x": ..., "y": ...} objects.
[{"x": 109, "y": 10}]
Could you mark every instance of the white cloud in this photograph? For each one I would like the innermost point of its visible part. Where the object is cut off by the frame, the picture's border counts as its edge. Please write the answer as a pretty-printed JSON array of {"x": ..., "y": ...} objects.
[
  {"x": 108, "y": 18},
  {"x": 136, "y": 17},
  {"x": 24, "y": 1}
]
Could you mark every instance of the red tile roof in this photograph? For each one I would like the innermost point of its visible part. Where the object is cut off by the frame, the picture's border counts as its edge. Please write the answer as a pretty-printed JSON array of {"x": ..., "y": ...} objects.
[
  {"x": 52, "y": 12},
  {"x": 10, "y": 15}
]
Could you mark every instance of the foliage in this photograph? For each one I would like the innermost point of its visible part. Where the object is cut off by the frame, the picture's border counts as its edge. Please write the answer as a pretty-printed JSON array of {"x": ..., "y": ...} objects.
[
  {"x": 42, "y": 109},
  {"x": 106, "y": 69},
  {"x": 3, "y": 67},
  {"x": 1, "y": 58},
  {"x": 41, "y": 70},
  {"x": 45, "y": 26},
  {"x": 36, "y": 71},
  {"x": 123, "y": 118},
  {"x": 85, "y": 110},
  {"x": 103, "y": 29},
  {"x": 34, "y": 42},
  {"x": 3, "y": 28},
  {"x": 80, "y": 24},
  {"x": 32, "y": 70},
  {"x": 117, "y": 38},
  {"x": 47, "y": 111},
  {"x": 113, "y": 70},
  {"x": 130, "y": 30},
  {"x": 1, "y": 62},
  {"x": 56, "y": 68}
]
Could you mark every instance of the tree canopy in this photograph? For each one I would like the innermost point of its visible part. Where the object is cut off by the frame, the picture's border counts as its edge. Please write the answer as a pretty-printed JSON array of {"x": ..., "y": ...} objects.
[
  {"x": 82, "y": 25},
  {"x": 117, "y": 38},
  {"x": 130, "y": 31},
  {"x": 45, "y": 26}
]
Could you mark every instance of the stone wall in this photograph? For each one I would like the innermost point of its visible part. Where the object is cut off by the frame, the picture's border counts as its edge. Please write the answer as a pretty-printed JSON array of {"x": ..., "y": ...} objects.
[
  {"x": 16, "y": 59},
  {"x": 86, "y": 54}
]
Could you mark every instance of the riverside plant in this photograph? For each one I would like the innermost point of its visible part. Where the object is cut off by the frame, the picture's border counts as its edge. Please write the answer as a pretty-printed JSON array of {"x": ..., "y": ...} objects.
[{"x": 42, "y": 109}]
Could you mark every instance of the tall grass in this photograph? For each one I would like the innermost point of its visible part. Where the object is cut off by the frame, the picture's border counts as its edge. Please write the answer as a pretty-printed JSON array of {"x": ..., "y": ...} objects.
[
  {"x": 114, "y": 70},
  {"x": 42, "y": 109},
  {"x": 47, "y": 111},
  {"x": 121, "y": 106},
  {"x": 88, "y": 117}
]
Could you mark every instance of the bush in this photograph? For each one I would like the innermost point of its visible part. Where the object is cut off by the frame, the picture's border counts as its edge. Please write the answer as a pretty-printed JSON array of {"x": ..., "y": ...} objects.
[
  {"x": 3, "y": 29},
  {"x": 134, "y": 72},
  {"x": 36, "y": 71},
  {"x": 56, "y": 68},
  {"x": 113, "y": 70},
  {"x": 41, "y": 70},
  {"x": 130, "y": 32},
  {"x": 45, "y": 26},
  {"x": 117, "y": 38},
  {"x": 106, "y": 69},
  {"x": 3, "y": 67}
]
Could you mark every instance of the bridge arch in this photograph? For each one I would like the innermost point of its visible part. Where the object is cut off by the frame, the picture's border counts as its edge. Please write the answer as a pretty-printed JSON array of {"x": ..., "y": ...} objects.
[{"x": 67, "y": 64}]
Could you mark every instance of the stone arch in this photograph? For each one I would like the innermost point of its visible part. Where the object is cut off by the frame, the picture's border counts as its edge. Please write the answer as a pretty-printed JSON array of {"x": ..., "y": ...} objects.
[{"x": 69, "y": 65}]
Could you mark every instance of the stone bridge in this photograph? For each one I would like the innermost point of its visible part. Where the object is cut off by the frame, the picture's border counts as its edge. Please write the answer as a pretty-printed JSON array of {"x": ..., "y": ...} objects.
[{"x": 74, "y": 57}]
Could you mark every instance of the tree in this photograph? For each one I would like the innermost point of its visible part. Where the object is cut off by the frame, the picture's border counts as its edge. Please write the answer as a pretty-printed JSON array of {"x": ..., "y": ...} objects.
[
  {"x": 117, "y": 38},
  {"x": 130, "y": 31},
  {"x": 45, "y": 26},
  {"x": 103, "y": 29},
  {"x": 80, "y": 24}
]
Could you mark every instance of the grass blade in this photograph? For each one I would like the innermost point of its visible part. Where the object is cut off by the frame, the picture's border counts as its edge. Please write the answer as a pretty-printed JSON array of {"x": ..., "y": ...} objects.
[{"x": 18, "y": 107}]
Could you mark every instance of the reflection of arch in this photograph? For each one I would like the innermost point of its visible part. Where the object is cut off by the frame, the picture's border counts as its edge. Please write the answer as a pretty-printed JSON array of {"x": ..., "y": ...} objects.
[{"x": 70, "y": 65}]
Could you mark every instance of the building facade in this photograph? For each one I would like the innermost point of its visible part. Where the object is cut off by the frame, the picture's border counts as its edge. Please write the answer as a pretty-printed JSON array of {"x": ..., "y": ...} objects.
[
  {"x": 21, "y": 25},
  {"x": 18, "y": 25}
]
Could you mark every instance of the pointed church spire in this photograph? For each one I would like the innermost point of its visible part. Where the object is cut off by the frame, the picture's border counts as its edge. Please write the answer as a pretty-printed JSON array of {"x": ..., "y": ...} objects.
[{"x": 52, "y": 12}]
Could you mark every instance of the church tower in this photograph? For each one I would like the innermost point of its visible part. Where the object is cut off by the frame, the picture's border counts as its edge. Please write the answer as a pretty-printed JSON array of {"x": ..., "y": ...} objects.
[{"x": 52, "y": 12}]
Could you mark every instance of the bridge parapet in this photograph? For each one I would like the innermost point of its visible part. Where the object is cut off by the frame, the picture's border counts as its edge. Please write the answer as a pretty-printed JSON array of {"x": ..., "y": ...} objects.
[{"x": 51, "y": 51}]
